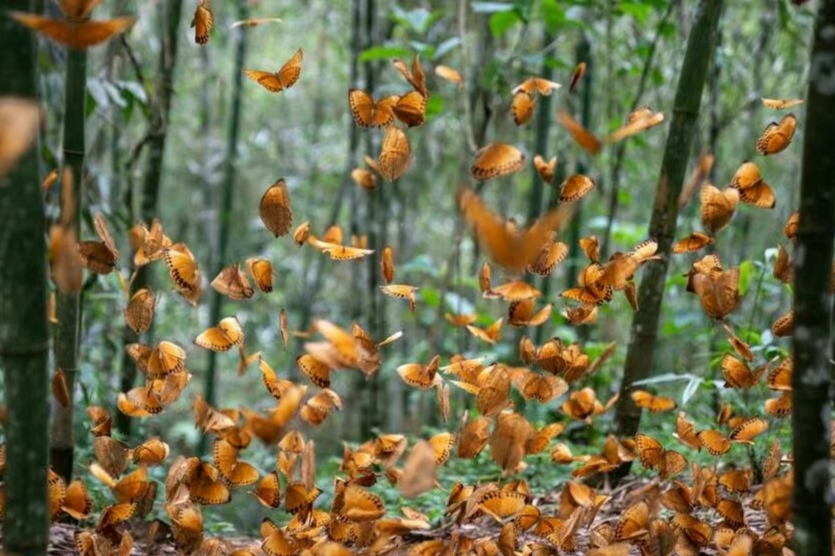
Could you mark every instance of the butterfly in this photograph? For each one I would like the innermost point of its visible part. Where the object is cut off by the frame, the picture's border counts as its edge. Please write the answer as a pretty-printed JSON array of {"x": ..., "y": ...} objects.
[
  {"x": 508, "y": 246},
  {"x": 99, "y": 257},
  {"x": 655, "y": 404},
  {"x": 223, "y": 337},
  {"x": 261, "y": 271},
  {"x": 522, "y": 106},
  {"x": 419, "y": 375},
  {"x": 401, "y": 291},
  {"x": 415, "y": 76},
  {"x": 255, "y": 21},
  {"x": 579, "y": 133},
  {"x": 752, "y": 189},
  {"x": 576, "y": 76},
  {"x": 275, "y": 209},
  {"x": 738, "y": 375},
  {"x": 551, "y": 254},
  {"x": 653, "y": 456},
  {"x": 575, "y": 188},
  {"x": 640, "y": 119},
  {"x": 77, "y": 30},
  {"x": 301, "y": 234},
  {"x": 370, "y": 113},
  {"x": 497, "y": 159},
  {"x": 140, "y": 311},
  {"x": 184, "y": 271},
  {"x": 450, "y": 74},
  {"x": 717, "y": 207},
  {"x": 410, "y": 109},
  {"x": 718, "y": 289},
  {"x": 694, "y": 242},
  {"x": 19, "y": 124},
  {"x": 395, "y": 154},
  {"x": 489, "y": 334},
  {"x": 545, "y": 169},
  {"x": 781, "y": 104},
  {"x": 202, "y": 22},
  {"x": 777, "y": 136},
  {"x": 284, "y": 78},
  {"x": 233, "y": 283},
  {"x": 521, "y": 313}
]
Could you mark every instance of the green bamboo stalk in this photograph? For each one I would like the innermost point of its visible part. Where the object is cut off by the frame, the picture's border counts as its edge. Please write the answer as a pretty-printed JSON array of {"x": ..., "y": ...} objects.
[
  {"x": 644, "y": 330},
  {"x": 24, "y": 340},
  {"x": 68, "y": 305},
  {"x": 225, "y": 215},
  {"x": 812, "y": 343}
]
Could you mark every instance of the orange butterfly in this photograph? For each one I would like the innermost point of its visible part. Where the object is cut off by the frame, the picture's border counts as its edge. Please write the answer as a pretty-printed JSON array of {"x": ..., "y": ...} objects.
[
  {"x": 232, "y": 282},
  {"x": 184, "y": 271},
  {"x": 255, "y": 21},
  {"x": 752, "y": 189},
  {"x": 655, "y": 404},
  {"x": 717, "y": 207},
  {"x": 510, "y": 247},
  {"x": 370, "y": 113},
  {"x": 450, "y": 74},
  {"x": 223, "y": 337},
  {"x": 284, "y": 78},
  {"x": 395, "y": 154},
  {"x": 19, "y": 124},
  {"x": 575, "y": 188},
  {"x": 415, "y": 76},
  {"x": 653, "y": 456},
  {"x": 576, "y": 76},
  {"x": 77, "y": 31},
  {"x": 639, "y": 120},
  {"x": 781, "y": 104},
  {"x": 580, "y": 134},
  {"x": 545, "y": 169},
  {"x": 140, "y": 311},
  {"x": 275, "y": 209},
  {"x": 777, "y": 136},
  {"x": 99, "y": 257},
  {"x": 497, "y": 159},
  {"x": 693, "y": 242},
  {"x": 411, "y": 109},
  {"x": 261, "y": 271},
  {"x": 522, "y": 106},
  {"x": 401, "y": 291},
  {"x": 202, "y": 22}
]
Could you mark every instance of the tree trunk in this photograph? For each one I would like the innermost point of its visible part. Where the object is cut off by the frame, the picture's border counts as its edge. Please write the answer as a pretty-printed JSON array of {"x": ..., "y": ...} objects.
[
  {"x": 68, "y": 305},
  {"x": 643, "y": 333},
  {"x": 157, "y": 134},
  {"x": 24, "y": 342},
  {"x": 225, "y": 210},
  {"x": 811, "y": 498}
]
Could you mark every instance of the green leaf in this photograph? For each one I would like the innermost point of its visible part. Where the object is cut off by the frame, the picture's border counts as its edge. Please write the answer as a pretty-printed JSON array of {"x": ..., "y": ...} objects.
[
  {"x": 637, "y": 10},
  {"x": 553, "y": 15},
  {"x": 491, "y": 7},
  {"x": 501, "y": 22},
  {"x": 418, "y": 20},
  {"x": 744, "y": 276},
  {"x": 383, "y": 53},
  {"x": 98, "y": 92},
  {"x": 434, "y": 106}
]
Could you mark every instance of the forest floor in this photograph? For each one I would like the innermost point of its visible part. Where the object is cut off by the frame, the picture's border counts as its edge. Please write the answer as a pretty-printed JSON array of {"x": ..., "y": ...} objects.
[{"x": 62, "y": 543}]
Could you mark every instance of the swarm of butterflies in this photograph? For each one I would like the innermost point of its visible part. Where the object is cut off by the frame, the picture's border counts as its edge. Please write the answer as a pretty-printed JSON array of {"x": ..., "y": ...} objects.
[{"x": 665, "y": 516}]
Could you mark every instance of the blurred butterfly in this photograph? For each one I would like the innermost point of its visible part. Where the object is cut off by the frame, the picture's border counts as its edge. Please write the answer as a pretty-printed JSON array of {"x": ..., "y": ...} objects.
[
  {"x": 580, "y": 134},
  {"x": 450, "y": 74},
  {"x": 497, "y": 159},
  {"x": 19, "y": 124},
  {"x": 576, "y": 76},
  {"x": 255, "y": 21},
  {"x": 781, "y": 104},
  {"x": 489, "y": 334},
  {"x": 777, "y": 136},
  {"x": 551, "y": 254},
  {"x": 284, "y": 78},
  {"x": 508, "y": 246},
  {"x": 521, "y": 313},
  {"x": 718, "y": 289},
  {"x": 651, "y": 402},
  {"x": 76, "y": 31},
  {"x": 202, "y": 22},
  {"x": 401, "y": 291},
  {"x": 522, "y": 106},
  {"x": 419, "y": 375},
  {"x": 536, "y": 85},
  {"x": 640, "y": 119},
  {"x": 545, "y": 169},
  {"x": 301, "y": 233}
]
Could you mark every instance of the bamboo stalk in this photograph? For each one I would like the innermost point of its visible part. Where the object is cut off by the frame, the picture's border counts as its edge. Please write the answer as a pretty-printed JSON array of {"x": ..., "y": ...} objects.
[{"x": 24, "y": 340}]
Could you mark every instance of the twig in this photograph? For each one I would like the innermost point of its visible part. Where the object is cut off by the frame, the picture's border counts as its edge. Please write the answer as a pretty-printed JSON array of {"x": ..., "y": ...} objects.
[{"x": 469, "y": 134}]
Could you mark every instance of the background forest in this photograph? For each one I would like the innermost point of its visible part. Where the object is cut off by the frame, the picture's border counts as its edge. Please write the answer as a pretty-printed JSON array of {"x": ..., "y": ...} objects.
[{"x": 171, "y": 129}]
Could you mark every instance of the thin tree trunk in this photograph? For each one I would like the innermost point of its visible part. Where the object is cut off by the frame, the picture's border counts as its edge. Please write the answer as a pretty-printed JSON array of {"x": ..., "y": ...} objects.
[
  {"x": 644, "y": 330},
  {"x": 812, "y": 382},
  {"x": 24, "y": 341},
  {"x": 620, "y": 152},
  {"x": 68, "y": 305},
  {"x": 227, "y": 194},
  {"x": 157, "y": 135}
]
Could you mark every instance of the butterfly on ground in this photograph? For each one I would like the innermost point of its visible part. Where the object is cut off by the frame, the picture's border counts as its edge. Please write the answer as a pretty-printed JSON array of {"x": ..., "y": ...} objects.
[{"x": 284, "y": 78}]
